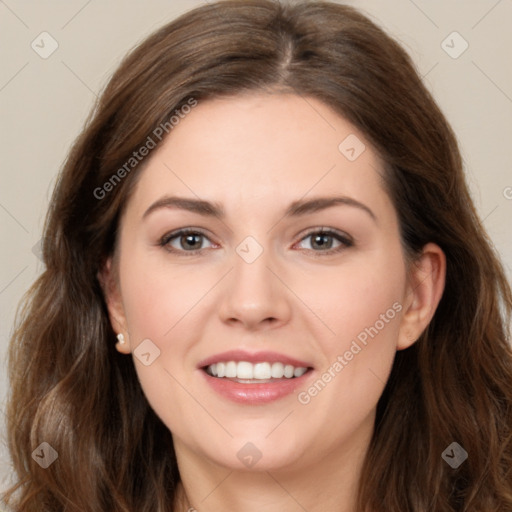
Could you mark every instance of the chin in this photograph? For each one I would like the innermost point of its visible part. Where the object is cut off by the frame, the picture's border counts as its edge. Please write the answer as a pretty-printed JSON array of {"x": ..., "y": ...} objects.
[{"x": 257, "y": 454}]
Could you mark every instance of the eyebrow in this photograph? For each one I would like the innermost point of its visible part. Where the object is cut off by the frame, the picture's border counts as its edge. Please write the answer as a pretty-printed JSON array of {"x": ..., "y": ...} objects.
[{"x": 216, "y": 210}]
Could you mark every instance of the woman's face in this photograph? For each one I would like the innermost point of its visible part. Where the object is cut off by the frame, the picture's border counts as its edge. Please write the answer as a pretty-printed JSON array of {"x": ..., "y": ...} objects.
[{"x": 257, "y": 288}]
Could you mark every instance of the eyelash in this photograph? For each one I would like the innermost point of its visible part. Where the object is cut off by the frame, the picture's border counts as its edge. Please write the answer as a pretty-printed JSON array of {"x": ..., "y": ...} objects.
[{"x": 345, "y": 241}]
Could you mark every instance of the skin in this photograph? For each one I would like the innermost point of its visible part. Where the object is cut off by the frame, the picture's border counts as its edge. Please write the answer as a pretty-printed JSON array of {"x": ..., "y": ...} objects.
[{"x": 255, "y": 154}]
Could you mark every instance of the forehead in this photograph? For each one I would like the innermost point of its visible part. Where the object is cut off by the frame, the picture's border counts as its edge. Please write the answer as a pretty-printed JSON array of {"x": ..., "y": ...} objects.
[{"x": 249, "y": 148}]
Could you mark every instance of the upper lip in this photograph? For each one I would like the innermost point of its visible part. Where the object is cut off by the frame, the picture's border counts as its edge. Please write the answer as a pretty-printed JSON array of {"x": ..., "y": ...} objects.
[{"x": 254, "y": 357}]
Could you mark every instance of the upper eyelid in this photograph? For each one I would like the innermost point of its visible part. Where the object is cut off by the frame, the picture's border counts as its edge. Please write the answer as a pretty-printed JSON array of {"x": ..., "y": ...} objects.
[
  {"x": 329, "y": 231},
  {"x": 179, "y": 232}
]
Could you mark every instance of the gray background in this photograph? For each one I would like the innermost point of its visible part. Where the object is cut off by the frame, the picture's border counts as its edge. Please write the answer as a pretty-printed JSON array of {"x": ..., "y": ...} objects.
[{"x": 44, "y": 103}]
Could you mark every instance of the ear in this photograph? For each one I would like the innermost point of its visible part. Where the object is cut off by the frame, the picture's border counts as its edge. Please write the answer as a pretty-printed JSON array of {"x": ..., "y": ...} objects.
[
  {"x": 109, "y": 284},
  {"x": 425, "y": 288}
]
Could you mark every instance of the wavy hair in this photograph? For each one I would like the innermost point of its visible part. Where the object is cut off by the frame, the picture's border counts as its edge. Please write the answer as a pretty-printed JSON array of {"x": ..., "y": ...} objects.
[{"x": 71, "y": 389}]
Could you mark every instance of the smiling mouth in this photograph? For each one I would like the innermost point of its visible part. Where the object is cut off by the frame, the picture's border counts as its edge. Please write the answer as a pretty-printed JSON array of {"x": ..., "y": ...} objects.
[{"x": 245, "y": 372}]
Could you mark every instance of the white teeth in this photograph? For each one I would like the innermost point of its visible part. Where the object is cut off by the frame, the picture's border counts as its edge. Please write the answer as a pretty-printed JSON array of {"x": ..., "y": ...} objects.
[
  {"x": 288, "y": 371},
  {"x": 262, "y": 371},
  {"x": 244, "y": 370},
  {"x": 221, "y": 369},
  {"x": 231, "y": 369},
  {"x": 258, "y": 371},
  {"x": 299, "y": 371},
  {"x": 277, "y": 371}
]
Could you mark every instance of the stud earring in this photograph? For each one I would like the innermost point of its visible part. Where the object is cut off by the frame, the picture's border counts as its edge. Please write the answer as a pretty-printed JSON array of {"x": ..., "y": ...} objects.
[{"x": 120, "y": 338}]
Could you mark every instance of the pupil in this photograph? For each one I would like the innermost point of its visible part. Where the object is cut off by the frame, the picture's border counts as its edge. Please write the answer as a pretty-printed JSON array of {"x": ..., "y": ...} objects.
[
  {"x": 189, "y": 239},
  {"x": 324, "y": 243}
]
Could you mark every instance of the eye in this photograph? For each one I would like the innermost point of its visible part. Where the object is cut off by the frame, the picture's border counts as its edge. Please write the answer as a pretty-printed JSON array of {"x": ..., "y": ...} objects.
[
  {"x": 323, "y": 240},
  {"x": 184, "y": 241},
  {"x": 190, "y": 241}
]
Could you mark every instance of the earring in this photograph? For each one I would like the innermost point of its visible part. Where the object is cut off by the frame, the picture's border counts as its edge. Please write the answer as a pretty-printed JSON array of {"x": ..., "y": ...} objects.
[{"x": 120, "y": 337}]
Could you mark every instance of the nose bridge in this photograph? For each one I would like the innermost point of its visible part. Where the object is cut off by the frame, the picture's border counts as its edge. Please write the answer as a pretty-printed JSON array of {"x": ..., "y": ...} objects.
[{"x": 253, "y": 294}]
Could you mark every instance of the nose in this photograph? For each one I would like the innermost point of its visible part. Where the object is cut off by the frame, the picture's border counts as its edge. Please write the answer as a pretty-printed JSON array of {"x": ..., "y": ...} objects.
[{"x": 254, "y": 295}]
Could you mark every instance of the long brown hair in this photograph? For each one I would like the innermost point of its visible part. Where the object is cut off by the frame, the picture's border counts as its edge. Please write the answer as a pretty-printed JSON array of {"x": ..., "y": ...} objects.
[{"x": 71, "y": 389}]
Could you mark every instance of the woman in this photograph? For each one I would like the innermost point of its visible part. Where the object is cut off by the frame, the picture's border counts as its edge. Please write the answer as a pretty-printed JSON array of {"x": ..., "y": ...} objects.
[{"x": 268, "y": 212}]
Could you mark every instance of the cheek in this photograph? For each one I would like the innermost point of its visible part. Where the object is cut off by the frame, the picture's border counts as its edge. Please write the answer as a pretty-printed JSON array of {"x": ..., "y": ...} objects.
[
  {"x": 364, "y": 293},
  {"x": 157, "y": 299},
  {"x": 161, "y": 304},
  {"x": 361, "y": 305}
]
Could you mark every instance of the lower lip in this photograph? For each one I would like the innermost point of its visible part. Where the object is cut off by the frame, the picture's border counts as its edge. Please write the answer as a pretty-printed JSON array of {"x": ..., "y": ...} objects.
[{"x": 255, "y": 393}]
